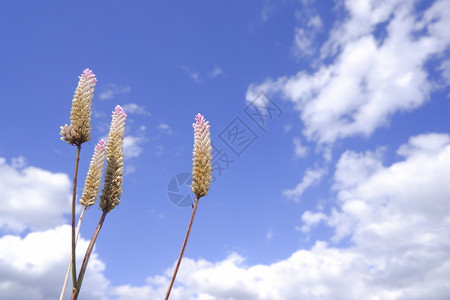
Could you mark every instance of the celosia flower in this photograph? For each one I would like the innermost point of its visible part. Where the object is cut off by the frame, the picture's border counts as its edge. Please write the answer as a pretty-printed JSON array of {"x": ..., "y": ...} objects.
[
  {"x": 94, "y": 176},
  {"x": 201, "y": 163},
  {"x": 112, "y": 189},
  {"x": 79, "y": 130}
]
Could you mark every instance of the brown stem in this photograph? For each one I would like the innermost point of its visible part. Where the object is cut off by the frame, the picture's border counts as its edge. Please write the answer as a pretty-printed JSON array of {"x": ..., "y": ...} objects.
[
  {"x": 74, "y": 196},
  {"x": 182, "y": 249},
  {"x": 88, "y": 255},
  {"x": 69, "y": 267}
]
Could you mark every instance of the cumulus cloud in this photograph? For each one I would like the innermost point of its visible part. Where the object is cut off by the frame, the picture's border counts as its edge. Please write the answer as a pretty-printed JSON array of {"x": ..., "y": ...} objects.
[
  {"x": 32, "y": 197},
  {"x": 33, "y": 267},
  {"x": 373, "y": 72},
  {"x": 397, "y": 221}
]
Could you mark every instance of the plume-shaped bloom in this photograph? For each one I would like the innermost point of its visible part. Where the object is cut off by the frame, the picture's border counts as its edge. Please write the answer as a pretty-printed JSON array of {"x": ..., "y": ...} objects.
[
  {"x": 112, "y": 189},
  {"x": 94, "y": 176},
  {"x": 201, "y": 165},
  {"x": 79, "y": 130}
]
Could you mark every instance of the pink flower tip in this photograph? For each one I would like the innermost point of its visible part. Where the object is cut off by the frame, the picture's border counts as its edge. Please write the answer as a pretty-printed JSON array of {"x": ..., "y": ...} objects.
[
  {"x": 101, "y": 144},
  {"x": 89, "y": 74},
  {"x": 200, "y": 121},
  {"x": 119, "y": 110}
]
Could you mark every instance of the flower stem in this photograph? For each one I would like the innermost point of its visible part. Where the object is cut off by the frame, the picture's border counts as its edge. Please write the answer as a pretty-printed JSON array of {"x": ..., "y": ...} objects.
[
  {"x": 74, "y": 196},
  {"x": 66, "y": 279},
  {"x": 194, "y": 209},
  {"x": 88, "y": 255}
]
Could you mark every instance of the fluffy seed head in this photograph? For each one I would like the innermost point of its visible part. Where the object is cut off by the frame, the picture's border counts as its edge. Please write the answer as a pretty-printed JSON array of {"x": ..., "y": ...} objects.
[
  {"x": 94, "y": 176},
  {"x": 79, "y": 130},
  {"x": 112, "y": 189},
  {"x": 201, "y": 163}
]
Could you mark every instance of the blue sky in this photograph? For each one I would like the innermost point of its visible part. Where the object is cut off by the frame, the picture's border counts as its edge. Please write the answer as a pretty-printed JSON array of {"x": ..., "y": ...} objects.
[{"x": 342, "y": 192}]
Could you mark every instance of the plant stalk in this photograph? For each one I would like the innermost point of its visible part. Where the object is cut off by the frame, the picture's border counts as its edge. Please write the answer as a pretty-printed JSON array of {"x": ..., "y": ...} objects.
[
  {"x": 76, "y": 291},
  {"x": 194, "y": 209},
  {"x": 74, "y": 196},
  {"x": 66, "y": 278}
]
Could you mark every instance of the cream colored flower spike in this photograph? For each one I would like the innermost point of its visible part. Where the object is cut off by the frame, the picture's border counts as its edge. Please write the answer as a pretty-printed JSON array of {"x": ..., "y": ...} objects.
[
  {"x": 94, "y": 176},
  {"x": 201, "y": 165},
  {"x": 79, "y": 130},
  {"x": 112, "y": 189}
]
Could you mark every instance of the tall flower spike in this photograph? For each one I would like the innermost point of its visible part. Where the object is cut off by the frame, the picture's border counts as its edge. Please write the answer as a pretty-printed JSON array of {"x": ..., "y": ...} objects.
[
  {"x": 94, "y": 176},
  {"x": 79, "y": 130},
  {"x": 112, "y": 189},
  {"x": 201, "y": 165}
]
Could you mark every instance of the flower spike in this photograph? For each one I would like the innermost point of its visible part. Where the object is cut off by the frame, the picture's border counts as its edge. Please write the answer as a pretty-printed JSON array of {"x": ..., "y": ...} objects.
[
  {"x": 79, "y": 130},
  {"x": 201, "y": 163},
  {"x": 94, "y": 176},
  {"x": 112, "y": 189}
]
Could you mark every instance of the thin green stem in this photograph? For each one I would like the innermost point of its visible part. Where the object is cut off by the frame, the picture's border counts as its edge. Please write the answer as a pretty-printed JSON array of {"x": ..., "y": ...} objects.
[
  {"x": 74, "y": 196},
  {"x": 69, "y": 267},
  {"x": 194, "y": 209},
  {"x": 76, "y": 291}
]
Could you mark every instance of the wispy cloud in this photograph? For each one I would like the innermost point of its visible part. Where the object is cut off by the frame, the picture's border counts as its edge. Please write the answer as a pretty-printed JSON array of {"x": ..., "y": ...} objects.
[
  {"x": 165, "y": 128},
  {"x": 194, "y": 75},
  {"x": 199, "y": 78},
  {"x": 133, "y": 108},
  {"x": 311, "y": 177},
  {"x": 112, "y": 90},
  {"x": 217, "y": 71},
  {"x": 299, "y": 150},
  {"x": 269, "y": 234},
  {"x": 132, "y": 146}
]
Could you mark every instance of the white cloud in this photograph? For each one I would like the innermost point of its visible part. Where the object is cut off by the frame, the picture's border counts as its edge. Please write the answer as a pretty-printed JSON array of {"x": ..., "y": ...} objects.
[
  {"x": 33, "y": 267},
  {"x": 133, "y": 108},
  {"x": 396, "y": 218},
  {"x": 32, "y": 197},
  {"x": 370, "y": 77},
  {"x": 410, "y": 196},
  {"x": 311, "y": 177},
  {"x": 112, "y": 90}
]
